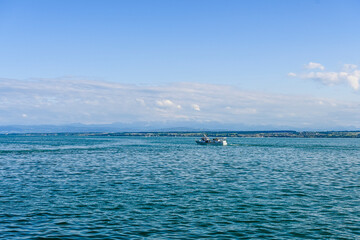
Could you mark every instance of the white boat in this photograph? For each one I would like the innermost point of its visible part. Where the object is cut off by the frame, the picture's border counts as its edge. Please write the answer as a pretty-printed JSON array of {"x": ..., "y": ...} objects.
[{"x": 205, "y": 140}]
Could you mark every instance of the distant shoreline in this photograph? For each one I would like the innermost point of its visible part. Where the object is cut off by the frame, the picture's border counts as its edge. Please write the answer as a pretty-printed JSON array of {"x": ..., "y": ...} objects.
[{"x": 255, "y": 134}]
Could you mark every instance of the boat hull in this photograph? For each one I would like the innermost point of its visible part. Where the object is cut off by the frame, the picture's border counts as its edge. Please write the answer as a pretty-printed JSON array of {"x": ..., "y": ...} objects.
[{"x": 220, "y": 143}]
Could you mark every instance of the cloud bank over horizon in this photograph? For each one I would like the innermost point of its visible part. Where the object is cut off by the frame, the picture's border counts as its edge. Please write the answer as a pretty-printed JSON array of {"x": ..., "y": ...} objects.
[{"x": 63, "y": 101}]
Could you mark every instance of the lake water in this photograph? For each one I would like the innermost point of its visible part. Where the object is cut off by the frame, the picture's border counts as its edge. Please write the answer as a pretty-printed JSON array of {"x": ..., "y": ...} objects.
[{"x": 69, "y": 187}]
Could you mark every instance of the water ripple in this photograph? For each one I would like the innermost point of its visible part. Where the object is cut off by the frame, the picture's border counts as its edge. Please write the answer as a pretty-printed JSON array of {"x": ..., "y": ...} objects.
[{"x": 169, "y": 188}]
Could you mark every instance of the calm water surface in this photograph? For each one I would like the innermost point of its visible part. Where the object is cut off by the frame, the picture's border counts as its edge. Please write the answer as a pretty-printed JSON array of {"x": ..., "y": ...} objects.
[{"x": 170, "y": 188}]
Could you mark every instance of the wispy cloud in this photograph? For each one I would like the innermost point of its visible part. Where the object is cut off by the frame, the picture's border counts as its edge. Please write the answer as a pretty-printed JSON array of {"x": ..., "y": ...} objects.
[
  {"x": 349, "y": 75},
  {"x": 291, "y": 74},
  {"x": 58, "y": 101},
  {"x": 195, "y": 107}
]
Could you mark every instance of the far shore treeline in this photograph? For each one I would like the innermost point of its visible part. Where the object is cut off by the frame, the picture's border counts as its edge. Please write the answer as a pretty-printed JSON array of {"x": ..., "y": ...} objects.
[{"x": 288, "y": 134}]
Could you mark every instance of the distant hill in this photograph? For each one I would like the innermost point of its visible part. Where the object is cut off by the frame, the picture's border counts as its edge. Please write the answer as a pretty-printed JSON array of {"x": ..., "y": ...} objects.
[
  {"x": 146, "y": 127},
  {"x": 257, "y": 134},
  {"x": 77, "y": 128}
]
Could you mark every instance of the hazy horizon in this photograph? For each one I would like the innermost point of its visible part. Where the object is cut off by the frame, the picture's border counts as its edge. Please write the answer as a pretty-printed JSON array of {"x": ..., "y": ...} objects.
[{"x": 157, "y": 127}]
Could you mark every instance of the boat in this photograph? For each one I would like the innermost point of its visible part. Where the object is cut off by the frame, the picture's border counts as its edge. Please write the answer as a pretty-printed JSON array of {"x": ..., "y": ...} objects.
[{"x": 205, "y": 140}]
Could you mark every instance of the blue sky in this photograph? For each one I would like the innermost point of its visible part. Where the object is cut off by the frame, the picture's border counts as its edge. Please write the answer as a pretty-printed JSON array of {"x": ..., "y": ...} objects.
[{"x": 295, "y": 49}]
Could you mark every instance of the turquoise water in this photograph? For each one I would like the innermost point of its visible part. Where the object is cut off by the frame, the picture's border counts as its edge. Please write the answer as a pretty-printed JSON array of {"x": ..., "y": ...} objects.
[{"x": 62, "y": 187}]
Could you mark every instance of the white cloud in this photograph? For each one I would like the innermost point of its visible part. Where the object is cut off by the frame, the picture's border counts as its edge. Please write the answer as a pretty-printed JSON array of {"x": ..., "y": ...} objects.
[
  {"x": 67, "y": 101},
  {"x": 195, "y": 107},
  {"x": 291, "y": 74},
  {"x": 333, "y": 78},
  {"x": 350, "y": 75},
  {"x": 312, "y": 65},
  {"x": 167, "y": 104}
]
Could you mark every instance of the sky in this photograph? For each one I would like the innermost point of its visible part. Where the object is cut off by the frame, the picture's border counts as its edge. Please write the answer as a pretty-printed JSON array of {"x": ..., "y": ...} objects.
[{"x": 290, "y": 64}]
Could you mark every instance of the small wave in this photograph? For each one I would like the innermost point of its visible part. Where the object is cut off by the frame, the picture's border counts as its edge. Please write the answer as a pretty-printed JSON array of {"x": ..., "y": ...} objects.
[
  {"x": 58, "y": 149},
  {"x": 305, "y": 146}
]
